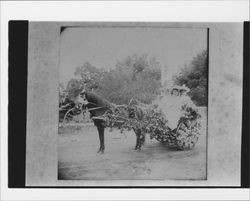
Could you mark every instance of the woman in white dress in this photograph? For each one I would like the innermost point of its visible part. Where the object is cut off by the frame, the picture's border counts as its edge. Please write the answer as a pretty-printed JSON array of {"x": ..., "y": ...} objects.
[{"x": 171, "y": 103}]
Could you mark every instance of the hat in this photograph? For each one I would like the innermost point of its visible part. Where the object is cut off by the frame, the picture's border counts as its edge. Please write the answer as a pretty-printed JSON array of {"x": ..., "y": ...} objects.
[
  {"x": 184, "y": 88},
  {"x": 181, "y": 88}
]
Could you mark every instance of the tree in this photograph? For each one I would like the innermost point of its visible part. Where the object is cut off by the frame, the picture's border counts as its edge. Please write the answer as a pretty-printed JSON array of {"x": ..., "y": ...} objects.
[
  {"x": 90, "y": 75},
  {"x": 194, "y": 76},
  {"x": 134, "y": 77},
  {"x": 74, "y": 87}
]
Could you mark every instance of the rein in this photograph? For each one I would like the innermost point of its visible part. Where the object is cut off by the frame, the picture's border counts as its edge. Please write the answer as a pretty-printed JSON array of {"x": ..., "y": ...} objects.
[{"x": 95, "y": 108}]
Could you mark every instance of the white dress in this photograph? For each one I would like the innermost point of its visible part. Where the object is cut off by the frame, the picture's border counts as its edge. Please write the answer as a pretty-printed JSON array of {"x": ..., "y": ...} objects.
[{"x": 170, "y": 105}]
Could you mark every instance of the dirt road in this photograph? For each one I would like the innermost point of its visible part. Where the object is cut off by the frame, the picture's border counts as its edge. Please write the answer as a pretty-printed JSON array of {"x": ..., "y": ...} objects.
[{"x": 78, "y": 157}]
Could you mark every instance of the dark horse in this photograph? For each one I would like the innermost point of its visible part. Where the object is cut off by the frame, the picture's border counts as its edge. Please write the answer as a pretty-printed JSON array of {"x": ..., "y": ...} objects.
[{"x": 97, "y": 106}]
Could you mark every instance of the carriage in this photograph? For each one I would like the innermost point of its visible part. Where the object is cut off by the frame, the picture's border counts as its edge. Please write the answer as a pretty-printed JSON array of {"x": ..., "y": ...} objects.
[
  {"x": 180, "y": 130},
  {"x": 172, "y": 118}
]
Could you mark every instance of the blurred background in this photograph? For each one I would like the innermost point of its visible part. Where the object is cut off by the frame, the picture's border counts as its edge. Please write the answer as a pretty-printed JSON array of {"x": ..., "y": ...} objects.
[{"x": 123, "y": 63}]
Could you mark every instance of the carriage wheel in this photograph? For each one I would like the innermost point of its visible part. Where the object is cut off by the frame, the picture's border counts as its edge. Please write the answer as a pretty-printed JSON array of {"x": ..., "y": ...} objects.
[
  {"x": 68, "y": 116},
  {"x": 187, "y": 134}
]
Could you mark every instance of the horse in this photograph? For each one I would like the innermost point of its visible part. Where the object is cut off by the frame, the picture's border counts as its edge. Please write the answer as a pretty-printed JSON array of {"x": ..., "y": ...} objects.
[{"x": 98, "y": 106}]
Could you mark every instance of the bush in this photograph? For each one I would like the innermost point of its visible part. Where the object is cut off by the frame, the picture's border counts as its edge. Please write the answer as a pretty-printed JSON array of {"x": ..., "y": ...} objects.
[{"x": 194, "y": 76}]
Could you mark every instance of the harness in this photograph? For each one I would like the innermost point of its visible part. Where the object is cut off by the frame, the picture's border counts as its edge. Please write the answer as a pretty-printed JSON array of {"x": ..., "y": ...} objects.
[{"x": 79, "y": 107}]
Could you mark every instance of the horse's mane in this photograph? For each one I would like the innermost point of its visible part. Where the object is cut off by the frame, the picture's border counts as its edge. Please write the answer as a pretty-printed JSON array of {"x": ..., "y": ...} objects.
[{"x": 94, "y": 98}]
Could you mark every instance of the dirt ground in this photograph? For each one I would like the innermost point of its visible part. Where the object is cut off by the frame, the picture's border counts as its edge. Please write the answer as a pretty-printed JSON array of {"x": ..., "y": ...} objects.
[{"x": 78, "y": 157}]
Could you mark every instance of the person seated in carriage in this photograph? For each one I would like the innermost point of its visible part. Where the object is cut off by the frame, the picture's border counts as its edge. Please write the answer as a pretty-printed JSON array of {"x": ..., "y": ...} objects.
[{"x": 172, "y": 103}]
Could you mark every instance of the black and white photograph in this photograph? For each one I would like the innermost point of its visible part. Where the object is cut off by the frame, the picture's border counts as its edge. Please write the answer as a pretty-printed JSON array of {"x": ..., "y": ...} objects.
[
  {"x": 109, "y": 100},
  {"x": 133, "y": 103}
]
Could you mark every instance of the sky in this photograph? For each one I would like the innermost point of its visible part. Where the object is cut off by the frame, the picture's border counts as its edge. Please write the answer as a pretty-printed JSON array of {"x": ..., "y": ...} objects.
[{"x": 103, "y": 47}]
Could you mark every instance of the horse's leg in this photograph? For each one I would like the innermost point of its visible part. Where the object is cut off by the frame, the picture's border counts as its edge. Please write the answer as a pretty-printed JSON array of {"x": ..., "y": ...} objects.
[
  {"x": 137, "y": 139},
  {"x": 100, "y": 129},
  {"x": 140, "y": 139}
]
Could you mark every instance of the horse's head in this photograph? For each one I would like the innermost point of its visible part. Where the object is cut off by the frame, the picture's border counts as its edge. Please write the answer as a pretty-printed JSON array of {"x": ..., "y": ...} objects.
[{"x": 82, "y": 98}]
